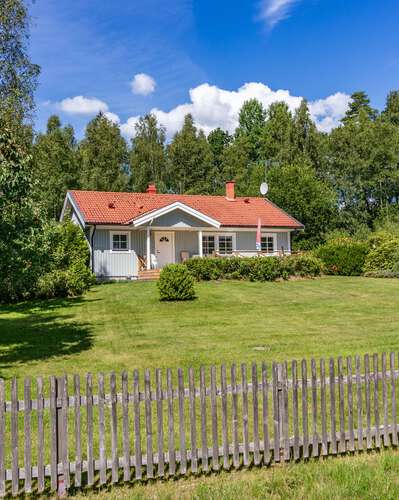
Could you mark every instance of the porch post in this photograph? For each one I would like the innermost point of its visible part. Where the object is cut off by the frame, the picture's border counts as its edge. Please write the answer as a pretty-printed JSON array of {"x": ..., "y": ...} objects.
[
  {"x": 200, "y": 243},
  {"x": 148, "y": 248}
]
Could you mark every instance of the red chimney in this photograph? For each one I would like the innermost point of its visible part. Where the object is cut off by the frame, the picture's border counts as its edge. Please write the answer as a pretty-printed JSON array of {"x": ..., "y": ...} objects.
[
  {"x": 152, "y": 189},
  {"x": 230, "y": 194}
]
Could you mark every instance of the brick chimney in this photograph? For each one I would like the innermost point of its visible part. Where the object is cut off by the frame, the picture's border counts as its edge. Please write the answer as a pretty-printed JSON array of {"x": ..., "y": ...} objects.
[
  {"x": 230, "y": 194},
  {"x": 152, "y": 189}
]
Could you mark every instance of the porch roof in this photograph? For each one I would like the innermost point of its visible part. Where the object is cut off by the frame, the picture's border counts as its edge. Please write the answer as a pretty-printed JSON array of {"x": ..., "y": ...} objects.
[{"x": 98, "y": 207}]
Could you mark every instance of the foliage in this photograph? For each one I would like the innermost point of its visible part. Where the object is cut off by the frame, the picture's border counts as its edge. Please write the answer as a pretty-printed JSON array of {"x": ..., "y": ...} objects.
[
  {"x": 176, "y": 283},
  {"x": 383, "y": 256},
  {"x": 104, "y": 156},
  {"x": 18, "y": 75},
  {"x": 343, "y": 256},
  {"x": 55, "y": 166},
  {"x": 253, "y": 268},
  {"x": 297, "y": 189},
  {"x": 147, "y": 155}
]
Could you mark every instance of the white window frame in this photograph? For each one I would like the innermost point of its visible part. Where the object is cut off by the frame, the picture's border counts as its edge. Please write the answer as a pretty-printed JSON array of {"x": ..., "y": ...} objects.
[
  {"x": 207, "y": 235},
  {"x": 274, "y": 236},
  {"x": 111, "y": 244},
  {"x": 216, "y": 236}
]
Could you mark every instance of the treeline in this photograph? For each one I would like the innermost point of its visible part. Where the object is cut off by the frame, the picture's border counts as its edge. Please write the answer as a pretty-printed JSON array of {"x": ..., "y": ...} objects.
[{"x": 347, "y": 179}]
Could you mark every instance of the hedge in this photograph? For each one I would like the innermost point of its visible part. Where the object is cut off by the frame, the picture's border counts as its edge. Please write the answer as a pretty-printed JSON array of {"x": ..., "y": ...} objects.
[
  {"x": 254, "y": 268},
  {"x": 343, "y": 256}
]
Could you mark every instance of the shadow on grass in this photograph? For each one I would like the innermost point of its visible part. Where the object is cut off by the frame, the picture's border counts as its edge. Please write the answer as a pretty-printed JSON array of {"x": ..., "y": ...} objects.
[{"x": 38, "y": 333}]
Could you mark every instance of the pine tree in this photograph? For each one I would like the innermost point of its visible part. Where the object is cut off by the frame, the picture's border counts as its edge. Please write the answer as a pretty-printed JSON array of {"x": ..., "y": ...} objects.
[
  {"x": 391, "y": 111},
  {"x": 147, "y": 156},
  {"x": 360, "y": 103},
  {"x": 305, "y": 142},
  {"x": 104, "y": 156},
  {"x": 55, "y": 166},
  {"x": 218, "y": 140},
  {"x": 189, "y": 160}
]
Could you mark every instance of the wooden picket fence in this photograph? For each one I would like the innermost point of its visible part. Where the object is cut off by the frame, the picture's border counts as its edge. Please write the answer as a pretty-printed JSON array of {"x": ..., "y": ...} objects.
[{"x": 69, "y": 437}]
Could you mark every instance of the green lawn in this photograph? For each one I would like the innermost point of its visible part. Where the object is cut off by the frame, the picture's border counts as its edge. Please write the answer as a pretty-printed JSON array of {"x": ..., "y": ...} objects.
[{"x": 124, "y": 326}]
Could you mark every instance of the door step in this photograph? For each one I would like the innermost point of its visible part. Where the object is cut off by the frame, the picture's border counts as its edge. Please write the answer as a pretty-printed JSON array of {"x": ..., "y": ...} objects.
[{"x": 149, "y": 275}]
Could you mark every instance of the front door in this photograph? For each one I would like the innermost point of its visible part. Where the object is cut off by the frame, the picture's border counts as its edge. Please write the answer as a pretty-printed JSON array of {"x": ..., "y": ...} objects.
[{"x": 164, "y": 248}]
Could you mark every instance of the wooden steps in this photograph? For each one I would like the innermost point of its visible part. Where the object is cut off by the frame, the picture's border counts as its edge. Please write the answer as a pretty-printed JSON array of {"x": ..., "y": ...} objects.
[{"x": 149, "y": 275}]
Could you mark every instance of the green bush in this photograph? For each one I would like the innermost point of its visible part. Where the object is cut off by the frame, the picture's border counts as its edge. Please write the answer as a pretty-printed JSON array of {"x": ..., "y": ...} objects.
[
  {"x": 343, "y": 256},
  {"x": 383, "y": 256},
  {"x": 176, "y": 283},
  {"x": 254, "y": 268}
]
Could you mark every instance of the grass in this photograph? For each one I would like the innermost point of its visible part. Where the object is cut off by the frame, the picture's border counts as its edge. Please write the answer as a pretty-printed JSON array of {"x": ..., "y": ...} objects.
[
  {"x": 366, "y": 476},
  {"x": 124, "y": 326}
]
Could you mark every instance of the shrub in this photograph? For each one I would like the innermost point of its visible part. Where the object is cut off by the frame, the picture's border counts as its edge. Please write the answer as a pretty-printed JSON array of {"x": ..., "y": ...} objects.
[
  {"x": 383, "y": 256},
  {"x": 382, "y": 274},
  {"x": 343, "y": 256},
  {"x": 176, "y": 283},
  {"x": 254, "y": 268},
  {"x": 52, "y": 284}
]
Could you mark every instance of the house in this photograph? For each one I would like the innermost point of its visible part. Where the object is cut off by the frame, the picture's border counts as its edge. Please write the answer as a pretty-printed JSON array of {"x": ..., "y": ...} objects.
[{"x": 129, "y": 232}]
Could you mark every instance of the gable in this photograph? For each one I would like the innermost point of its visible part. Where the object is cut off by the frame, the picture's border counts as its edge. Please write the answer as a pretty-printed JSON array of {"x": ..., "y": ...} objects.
[{"x": 178, "y": 218}]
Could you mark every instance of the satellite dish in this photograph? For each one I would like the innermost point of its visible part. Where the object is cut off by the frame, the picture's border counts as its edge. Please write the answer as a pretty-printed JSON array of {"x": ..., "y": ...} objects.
[{"x": 264, "y": 188}]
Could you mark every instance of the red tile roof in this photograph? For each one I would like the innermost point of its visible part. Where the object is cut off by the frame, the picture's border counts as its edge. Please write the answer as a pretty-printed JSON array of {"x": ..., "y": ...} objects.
[{"x": 98, "y": 207}]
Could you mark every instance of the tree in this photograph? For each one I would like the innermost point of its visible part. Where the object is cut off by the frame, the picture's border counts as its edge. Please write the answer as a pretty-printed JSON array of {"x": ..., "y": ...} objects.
[
  {"x": 297, "y": 189},
  {"x": 147, "y": 156},
  {"x": 21, "y": 249},
  {"x": 218, "y": 140},
  {"x": 18, "y": 75},
  {"x": 277, "y": 133},
  {"x": 251, "y": 124},
  {"x": 305, "y": 142},
  {"x": 391, "y": 111},
  {"x": 55, "y": 166},
  {"x": 104, "y": 156},
  {"x": 360, "y": 103},
  {"x": 236, "y": 162},
  {"x": 189, "y": 160}
]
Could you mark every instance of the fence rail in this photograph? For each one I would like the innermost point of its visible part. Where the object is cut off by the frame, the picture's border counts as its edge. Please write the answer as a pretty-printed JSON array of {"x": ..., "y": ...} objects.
[{"x": 131, "y": 427}]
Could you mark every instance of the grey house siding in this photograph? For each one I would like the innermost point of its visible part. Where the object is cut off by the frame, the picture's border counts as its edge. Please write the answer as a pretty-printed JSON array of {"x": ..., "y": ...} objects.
[
  {"x": 246, "y": 240},
  {"x": 178, "y": 218},
  {"x": 282, "y": 241},
  {"x": 113, "y": 264},
  {"x": 187, "y": 241}
]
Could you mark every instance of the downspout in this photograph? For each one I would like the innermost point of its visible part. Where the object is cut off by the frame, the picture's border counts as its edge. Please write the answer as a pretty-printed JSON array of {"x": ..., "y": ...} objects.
[{"x": 92, "y": 248}]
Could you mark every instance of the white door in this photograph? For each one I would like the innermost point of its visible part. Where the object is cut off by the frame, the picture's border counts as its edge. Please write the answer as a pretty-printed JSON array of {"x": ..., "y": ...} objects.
[{"x": 164, "y": 248}]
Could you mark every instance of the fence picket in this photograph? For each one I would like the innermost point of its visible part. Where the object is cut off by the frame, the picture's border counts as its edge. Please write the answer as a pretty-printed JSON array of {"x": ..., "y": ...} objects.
[
  {"x": 125, "y": 426},
  {"x": 64, "y": 423},
  {"x": 193, "y": 422},
  {"x": 315, "y": 438},
  {"x": 295, "y": 414},
  {"x": 2, "y": 438},
  {"x": 376, "y": 401},
  {"x": 323, "y": 407},
  {"x": 54, "y": 433},
  {"x": 245, "y": 429},
  {"x": 225, "y": 442},
  {"x": 342, "y": 437},
  {"x": 384, "y": 397},
  {"x": 359, "y": 404},
  {"x": 204, "y": 437},
  {"x": 182, "y": 430},
  {"x": 148, "y": 423},
  {"x": 285, "y": 425},
  {"x": 214, "y": 421},
  {"x": 89, "y": 427},
  {"x": 351, "y": 444},
  {"x": 304, "y": 375},
  {"x": 255, "y": 413},
  {"x": 114, "y": 429},
  {"x": 333, "y": 409},
  {"x": 27, "y": 436},
  {"x": 393, "y": 398},
  {"x": 101, "y": 430},
  {"x": 160, "y": 432},
  {"x": 14, "y": 436},
  {"x": 276, "y": 413},
  {"x": 78, "y": 436},
  {"x": 137, "y": 434},
  {"x": 234, "y": 416},
  {"x": 265, "y": 415},
  {"x": 368, "y": 400}
]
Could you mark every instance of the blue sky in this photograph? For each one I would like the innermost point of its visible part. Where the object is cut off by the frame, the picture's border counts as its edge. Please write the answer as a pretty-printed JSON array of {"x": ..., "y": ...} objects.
[{"x": 206, "y": 57}]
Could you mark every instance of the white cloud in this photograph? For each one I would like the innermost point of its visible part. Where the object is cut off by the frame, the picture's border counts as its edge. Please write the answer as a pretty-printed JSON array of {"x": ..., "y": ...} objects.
[
  {"x": 274, "y": 11},
  {"x": 80, "y": 105},
  {"x": 113, "y": 117},
  {"x": 143, "y": 84},
  {"x": 214, "y": 107}
]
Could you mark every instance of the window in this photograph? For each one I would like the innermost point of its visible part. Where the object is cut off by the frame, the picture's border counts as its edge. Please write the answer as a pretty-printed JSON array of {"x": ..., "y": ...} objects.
[
  {"x": 267, "y": 244},
  {"x": 208, "y": 245},
  {"x": 225, "y": 245},
  {"x": 119, "y": 242}
]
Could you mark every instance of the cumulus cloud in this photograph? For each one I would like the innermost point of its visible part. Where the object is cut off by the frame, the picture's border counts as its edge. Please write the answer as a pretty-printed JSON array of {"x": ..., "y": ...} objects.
[
  {"x": 274, "y": 11},
  {"x": 80, "y": 105},
  {"x": 214, "y": 107},
  {"x": 113, "y": 117},
  {"x": 143, "y": 84}
]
